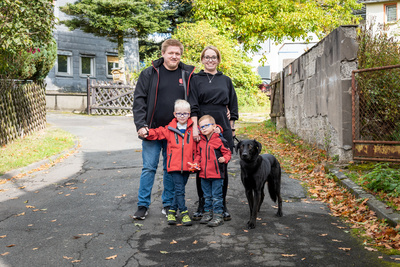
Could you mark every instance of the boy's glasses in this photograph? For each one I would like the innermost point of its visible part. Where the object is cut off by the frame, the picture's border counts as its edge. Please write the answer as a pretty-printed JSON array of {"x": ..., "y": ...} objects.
[
  {"x": 205, "y": 126},
  {"x": 182, "y": 114}
]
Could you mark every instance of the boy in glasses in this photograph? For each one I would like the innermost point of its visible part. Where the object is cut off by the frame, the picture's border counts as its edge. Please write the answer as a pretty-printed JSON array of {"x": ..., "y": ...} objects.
[
  {"x": 212, "y": 155},
  {"x": 180, "y": 150}
]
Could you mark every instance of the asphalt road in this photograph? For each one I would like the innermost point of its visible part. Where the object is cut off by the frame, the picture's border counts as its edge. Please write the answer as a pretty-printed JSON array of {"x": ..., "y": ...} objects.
[{"x": 78, "y": 213}]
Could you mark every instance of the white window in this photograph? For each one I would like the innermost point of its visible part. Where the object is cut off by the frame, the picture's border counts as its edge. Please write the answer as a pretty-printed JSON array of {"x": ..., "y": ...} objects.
[
  {"x": 391, "y": 12},
  {"x": 87, "y": 66},
  {"x": 112, "y": 63},
  {"x": 64, "y": 63}
]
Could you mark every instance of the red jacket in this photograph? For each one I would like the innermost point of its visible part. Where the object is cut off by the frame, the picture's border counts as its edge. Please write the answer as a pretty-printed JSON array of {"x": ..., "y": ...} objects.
[
  {"x": 207, "y": 154},
  {"x": 180, "y": 148}
]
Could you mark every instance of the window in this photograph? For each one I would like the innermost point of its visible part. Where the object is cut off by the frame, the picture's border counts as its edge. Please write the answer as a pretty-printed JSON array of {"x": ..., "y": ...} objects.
[
  {"x": 87, "y": 66},
  {"x": 112, "y": 63},
  {"x": 391, "y": 13},
  {"x": 64, "y": 63}
]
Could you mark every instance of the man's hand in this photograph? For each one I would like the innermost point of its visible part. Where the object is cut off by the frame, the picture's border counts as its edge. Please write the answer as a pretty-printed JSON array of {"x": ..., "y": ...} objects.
[{"x": 143, "y": 132}]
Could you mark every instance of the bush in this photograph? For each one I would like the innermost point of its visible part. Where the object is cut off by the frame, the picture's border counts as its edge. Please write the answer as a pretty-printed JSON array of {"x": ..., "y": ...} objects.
[{"x": 383, "y": 178}]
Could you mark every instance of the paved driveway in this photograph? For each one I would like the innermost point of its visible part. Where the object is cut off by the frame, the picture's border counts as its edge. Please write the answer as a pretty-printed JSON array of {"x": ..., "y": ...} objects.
[{"x": 77, "y": 213}]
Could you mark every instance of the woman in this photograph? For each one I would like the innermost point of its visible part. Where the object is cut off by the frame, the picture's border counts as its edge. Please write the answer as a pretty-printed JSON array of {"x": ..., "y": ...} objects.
[{"x": 213, "y": 94}]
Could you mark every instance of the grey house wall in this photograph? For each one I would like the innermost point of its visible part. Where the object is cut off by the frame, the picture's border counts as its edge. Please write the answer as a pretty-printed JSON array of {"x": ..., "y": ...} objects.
[
  {"x": 79, "y": 43},
  {"x": 317, "y": 93}
]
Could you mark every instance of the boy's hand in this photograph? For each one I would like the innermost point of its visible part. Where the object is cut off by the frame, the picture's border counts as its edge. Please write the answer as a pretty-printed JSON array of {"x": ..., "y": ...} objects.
[
  {"x": 193, "y": 167},
  {"x": 221, "y": 160}
]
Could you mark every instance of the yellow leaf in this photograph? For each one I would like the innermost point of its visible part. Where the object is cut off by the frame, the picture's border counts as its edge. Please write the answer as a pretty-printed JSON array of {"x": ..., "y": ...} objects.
[
  {"x": 226, "y": 234},
  {"x": 111, "y": 257},
  {"x": 288, "y": 255},
  {"x": 74, "y": 261},
  {"x": 5, "y": 253},
  {"x": 2, "y": 236},
  {"x": 67, "y": 258},
  {"x": 91, "y": 194},
  {"x": 89, "y": 234},
  {"x": 163, "y": 252},
  {"x": 195, "y": 242},
  {"x": 345, "y": 249},
  {"x": 29, "y": 207},
  {"x": 173, "y": 242}
]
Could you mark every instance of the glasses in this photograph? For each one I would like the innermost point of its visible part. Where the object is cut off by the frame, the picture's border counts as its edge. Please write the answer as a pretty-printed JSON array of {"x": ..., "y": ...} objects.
[
  {"x": 207, "y": 58},
  {"x": 182, "y": 114},
  {"x": 205, "y": 126}
]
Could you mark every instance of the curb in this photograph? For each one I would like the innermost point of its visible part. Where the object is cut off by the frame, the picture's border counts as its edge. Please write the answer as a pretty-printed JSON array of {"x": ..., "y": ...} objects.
[
  {"x": 35, "y": 165},
  {"x": 380, "y": 208}
]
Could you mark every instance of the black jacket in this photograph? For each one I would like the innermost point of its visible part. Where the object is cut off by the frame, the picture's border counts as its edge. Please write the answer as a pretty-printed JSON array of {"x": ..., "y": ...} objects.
[{"x": 146, "y": 91}]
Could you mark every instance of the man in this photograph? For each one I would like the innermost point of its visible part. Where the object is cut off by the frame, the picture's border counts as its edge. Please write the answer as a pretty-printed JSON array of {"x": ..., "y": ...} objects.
[{"x": 156, "y": 90}]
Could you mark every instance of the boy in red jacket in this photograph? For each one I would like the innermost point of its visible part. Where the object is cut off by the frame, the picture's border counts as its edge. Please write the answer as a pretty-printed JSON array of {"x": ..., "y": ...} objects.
[
  {"x": 212, "y": 155},
  {"x": 180, "y": 150}
]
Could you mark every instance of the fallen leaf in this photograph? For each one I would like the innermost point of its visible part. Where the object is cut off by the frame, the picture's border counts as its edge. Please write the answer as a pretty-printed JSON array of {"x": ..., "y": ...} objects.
[
  {"x": 5, "y": 253},
  {"x": 163, "y": 252},
  {"x": 2, "y": 236},
  {"x": 124, "y": 195},
  {"x": 10, "y": 246},
  {"x": 30, "y": 225},
  {"x": 22, "y": 187},
  {"x": 258, "y": 219},
  {"x": 74, "y": 261},
  {"x": 35, "y": 248},
  {"x": 212, "y": 242},
  {"x": 29, "y": 207},
  {"x": 323, "y": 234},
  {"x": 67, "y": 195},
  {"x": 76, "y": 237},
  {"x": 91, "y": 194},
  {"x": 195, "y": 242},
  {"x": 89, "y": 234},
  {"x": 173, "y": 242},
  {"x": 54, "y": 220},
  {"x": 67, "y": 258},
  {"x": 288, "y": 255},
  {"x": 246, "y": 231},
  {"x": 370, "y": 249},
  {"x": 345, "y": 249},
  {"x": 21, "y": 214},
  {"x": 111, "y": 257},
  {"x": 226, "y": 234},
  {"x": 396, "y": 259}
]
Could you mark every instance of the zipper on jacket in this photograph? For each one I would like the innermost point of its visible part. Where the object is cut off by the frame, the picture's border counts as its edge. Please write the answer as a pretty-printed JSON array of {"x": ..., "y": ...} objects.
[
  {"x": 155, "y": 98},
  {"x": 188, "y": 137},
  {"x": 176, "y": 138},
  {"x": 216, "y": 162},
  {"x": 170, "y": 158},
  {"x": 183, "y": 147}
]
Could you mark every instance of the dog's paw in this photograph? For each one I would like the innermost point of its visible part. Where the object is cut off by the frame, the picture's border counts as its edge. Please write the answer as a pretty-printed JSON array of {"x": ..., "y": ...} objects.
[
  {"x": 251, "y": 225},
  {"x": 279, "y": 213}
]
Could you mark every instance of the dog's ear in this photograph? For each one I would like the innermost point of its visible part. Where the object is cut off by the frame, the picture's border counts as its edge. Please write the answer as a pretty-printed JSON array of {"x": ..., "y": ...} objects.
[
  {"x": 237, "y": 146},
  {"x": 258, "y": 145}
]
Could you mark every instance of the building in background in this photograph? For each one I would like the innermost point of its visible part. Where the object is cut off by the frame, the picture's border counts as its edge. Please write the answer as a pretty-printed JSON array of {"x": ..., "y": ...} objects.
[
  {"x": 383, "y": 13},
  {"x": 80, "y": 55}
]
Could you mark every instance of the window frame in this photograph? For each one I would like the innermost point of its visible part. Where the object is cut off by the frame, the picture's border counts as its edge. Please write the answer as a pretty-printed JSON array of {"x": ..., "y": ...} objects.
[
  {"x": 110, "y": 55},
  {"x": 385, "y": 10},
  {"x": 69, "y": 55},
  {"x": 92, "y": 65}
]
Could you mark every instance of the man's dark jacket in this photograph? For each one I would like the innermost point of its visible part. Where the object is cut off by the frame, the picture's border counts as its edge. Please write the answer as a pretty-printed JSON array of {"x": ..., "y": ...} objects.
[{"x": 146, "y": 91}]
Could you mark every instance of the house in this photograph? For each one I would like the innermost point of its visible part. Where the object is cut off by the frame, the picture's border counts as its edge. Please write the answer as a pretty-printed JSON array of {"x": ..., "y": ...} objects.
[
  {"x": 80, "y": 55},
  {"x": 279, "y": 55},
  {"x": 382, "y": 13}
]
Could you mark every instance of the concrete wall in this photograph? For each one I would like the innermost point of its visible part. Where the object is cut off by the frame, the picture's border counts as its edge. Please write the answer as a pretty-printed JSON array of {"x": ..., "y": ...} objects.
[
  {"x": 74, "y": 102},
  {"x": 317, "y": 92}
]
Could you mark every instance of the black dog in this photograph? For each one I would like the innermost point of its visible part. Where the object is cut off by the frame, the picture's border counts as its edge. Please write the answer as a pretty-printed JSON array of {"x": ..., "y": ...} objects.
[{"x": 256, "y": 170}]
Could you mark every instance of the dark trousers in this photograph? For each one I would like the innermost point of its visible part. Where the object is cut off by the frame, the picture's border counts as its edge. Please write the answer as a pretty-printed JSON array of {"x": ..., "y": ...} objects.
[{"x": 200, "y": 193}]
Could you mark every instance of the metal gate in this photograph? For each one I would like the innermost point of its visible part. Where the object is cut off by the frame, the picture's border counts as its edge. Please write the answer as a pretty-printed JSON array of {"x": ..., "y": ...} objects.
[
  {"x": 109, "y": 98},
  {"x": 376, "y": 114}
]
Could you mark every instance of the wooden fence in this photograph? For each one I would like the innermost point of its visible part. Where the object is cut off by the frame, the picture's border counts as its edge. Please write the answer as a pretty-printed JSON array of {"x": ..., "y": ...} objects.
[{"x": 22, "y": 109}]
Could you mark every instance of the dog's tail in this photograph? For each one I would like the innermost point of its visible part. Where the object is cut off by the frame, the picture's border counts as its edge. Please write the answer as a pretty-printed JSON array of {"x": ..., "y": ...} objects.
[{"x": 274, "y": 180}]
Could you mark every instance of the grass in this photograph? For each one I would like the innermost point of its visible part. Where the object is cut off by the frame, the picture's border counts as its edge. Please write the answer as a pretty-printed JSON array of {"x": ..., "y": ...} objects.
[{"x": 35, "y": 147}]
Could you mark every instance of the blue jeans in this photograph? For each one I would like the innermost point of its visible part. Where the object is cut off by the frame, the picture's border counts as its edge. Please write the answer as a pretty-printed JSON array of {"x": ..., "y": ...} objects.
[
  {"x": 212, "y": 190},
  {"x": 151, "y": 155},
  {"x": 180, "y": 181}
]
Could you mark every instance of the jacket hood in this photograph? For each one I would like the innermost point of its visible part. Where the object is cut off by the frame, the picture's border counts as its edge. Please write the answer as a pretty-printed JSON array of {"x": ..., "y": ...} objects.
[
  {"x": 158, "y": 62},
  {"x": 203, "y": 73}
]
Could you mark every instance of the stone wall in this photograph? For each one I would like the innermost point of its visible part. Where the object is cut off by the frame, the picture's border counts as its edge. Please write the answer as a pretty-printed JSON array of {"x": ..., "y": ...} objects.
[{"x": 317, "y": 93}]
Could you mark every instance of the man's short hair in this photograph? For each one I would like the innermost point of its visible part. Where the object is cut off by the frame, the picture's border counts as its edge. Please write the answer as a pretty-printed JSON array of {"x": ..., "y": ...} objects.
[
  {"x": 183, "y": 104},
  {"x": 207, "y": 117},
  {"x": 171, "y": 42}
]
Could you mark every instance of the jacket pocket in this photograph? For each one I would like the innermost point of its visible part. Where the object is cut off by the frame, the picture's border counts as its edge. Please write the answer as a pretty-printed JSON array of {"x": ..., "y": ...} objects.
[
  {"x": 169, "y": 160},
  {"x": 216, "y": 166}
]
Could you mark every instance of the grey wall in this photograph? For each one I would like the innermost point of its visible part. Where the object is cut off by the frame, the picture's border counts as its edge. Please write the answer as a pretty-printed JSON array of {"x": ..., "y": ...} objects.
[
  {"x": 317, "y": 92},
  {"x": 77, "y": 43}
]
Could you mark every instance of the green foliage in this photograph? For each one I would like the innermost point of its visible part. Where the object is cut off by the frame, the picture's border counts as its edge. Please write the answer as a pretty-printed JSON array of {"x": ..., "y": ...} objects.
[
  {"x": 25, "y": 26},
  {"x": 234, "y": 63},
  {"x": 379, "y": 90},
  {"x": 383, "y": 178},
  {"x": 118, "y": 19},
  {"x": 254, "y": 21}
]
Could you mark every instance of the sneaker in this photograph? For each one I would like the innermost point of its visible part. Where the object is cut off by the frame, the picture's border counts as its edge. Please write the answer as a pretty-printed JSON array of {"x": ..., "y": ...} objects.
[
  {"x": 141, "y": 213},
  {"x": 186, "y": 218},
  {"x": 217, "y": 220},
  {"x": 171, "y": 217},
  {"x": 165, "y": 210},
  {"x": 207, "y": 216}
]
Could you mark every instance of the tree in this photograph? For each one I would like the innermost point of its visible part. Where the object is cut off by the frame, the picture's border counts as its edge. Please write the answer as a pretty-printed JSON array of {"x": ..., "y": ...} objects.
[
  {"x": 235, "y": 63},
  {"x": 26, "y": 28},
  {"x": 118, "y": 19},
  {"x": 254, "y": 21}
]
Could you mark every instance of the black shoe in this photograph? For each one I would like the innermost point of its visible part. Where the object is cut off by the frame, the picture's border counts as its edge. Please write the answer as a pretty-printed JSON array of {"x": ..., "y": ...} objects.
[
  {"x": 141, "y": 213},
  {"x": 207, "y": 217},
  {"x": 226, "y": 215},
  {"x": 216, "y": 220},
  {"x": 165, "y": 210},
  {"x": 200, "y": 210}
]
